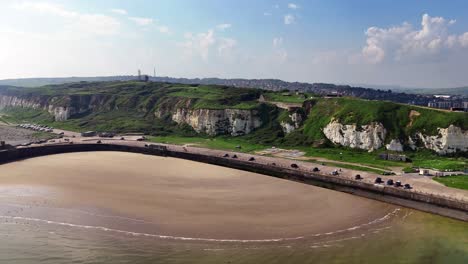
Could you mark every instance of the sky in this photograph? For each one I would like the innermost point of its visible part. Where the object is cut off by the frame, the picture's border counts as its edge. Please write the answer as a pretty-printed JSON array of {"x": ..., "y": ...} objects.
[{"x": 412, "y": 43}]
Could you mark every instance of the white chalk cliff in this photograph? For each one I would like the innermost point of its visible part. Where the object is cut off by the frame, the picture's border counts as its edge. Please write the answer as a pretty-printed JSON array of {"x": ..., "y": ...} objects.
[
  {"x": 394, "y": 145},
  {"x": 448, "y": 140},
  {"x": 296, "y": 122},
  {"x": 369, "y": 137},
  {"x": 234, "y": 122}
]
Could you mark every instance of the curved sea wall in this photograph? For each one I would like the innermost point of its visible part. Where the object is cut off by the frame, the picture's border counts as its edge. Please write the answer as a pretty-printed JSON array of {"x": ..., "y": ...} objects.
[{"x": 420, "y": 201}]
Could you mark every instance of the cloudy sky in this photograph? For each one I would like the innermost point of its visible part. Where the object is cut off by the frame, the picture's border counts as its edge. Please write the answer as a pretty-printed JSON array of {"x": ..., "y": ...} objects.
[{"x": 389, "y": 42}]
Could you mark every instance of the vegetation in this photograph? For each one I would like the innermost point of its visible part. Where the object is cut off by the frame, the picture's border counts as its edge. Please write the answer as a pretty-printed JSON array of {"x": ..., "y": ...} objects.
[
  {"x": 133, "y": 106},
  {"x": 286, "y": 97},
  {"x": 456, "y": 181}
]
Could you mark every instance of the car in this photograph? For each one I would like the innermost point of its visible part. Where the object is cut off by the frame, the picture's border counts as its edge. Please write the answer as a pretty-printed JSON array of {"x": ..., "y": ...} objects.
[
  {"x": 251, "y": 159},
  {"x": 335, "y": 173},
  {"x": 122, "y": 138},
  {"x": 234, "y": 156},
  {"x": 99, "y": 142},
  {"x": 294, "y": 165},
  {"x": 273, "y": 164},
  {"x": 226, "y": 155},
  {"x": 398, "y": 184},
  {"x": 315, "y": 169},
  {"x": 358, "y": 177},
  {"x": 389, "y": 182},
  {"x": 378, "y": 180},
  {"x": 407, "y": 186}
]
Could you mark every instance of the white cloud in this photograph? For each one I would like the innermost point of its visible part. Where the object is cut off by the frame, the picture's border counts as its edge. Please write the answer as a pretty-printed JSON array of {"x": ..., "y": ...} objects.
[
  {"x": 266, "y": 13},
  {"x": 163, "y": 29},
  {"x": 404, "y": 42},
  {"x": 141, "y": 21},
  {"x": 279, "y": 52},
  {"x": 293, "y": 6},
  {"x": 277, "y": 42},
  {"x": 289, "y": 19},
  {"x": 463, "y": 39},
  {"x": 225, "y": 46},
  {"x": 119, "y": 11},
  {"x": 201, "y": 45},
  {"x": 223, "y": 27},
  {"x": 74, "y": 21}
]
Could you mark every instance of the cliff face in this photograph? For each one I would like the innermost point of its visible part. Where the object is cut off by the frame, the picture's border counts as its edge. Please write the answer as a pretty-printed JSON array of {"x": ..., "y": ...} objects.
[
  {"x": 62, "y": 108},
  {"x": 234, "y": 122},
  {"x": 369, "y": 137},
  {"x": 449, "y": 140},
  {"x": 295, "y": 121},
  {"x": 13, "y": 101}
]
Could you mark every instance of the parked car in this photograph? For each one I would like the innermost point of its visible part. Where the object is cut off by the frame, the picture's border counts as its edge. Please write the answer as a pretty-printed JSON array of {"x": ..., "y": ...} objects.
[
  {"x": 358, "y": 177},
  {"x": 378, "y": 180},
  {"x": 294, "y": 165},
  {"x": 251, "y": 159},
  {"x": 407, "y": 186},
  {"x": 389, "y": 182},
  {"x": 398, "y": 184},
  {"x": 315, "y": 169}
]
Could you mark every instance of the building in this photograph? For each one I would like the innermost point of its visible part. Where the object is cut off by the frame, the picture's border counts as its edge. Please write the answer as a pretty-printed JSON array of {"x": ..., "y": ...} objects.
[
  {"x": 465, "y": 106},
  {"x": 444, "y": 104},
  {"x": 397, "y": 157},
  {"x": 432, "y": 104}
]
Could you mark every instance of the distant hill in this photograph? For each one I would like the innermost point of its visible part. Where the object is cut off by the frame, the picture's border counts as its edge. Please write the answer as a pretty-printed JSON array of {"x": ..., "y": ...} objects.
[
  {"x": 399, "y": 94},
  {"x": 463, "y": 91}
]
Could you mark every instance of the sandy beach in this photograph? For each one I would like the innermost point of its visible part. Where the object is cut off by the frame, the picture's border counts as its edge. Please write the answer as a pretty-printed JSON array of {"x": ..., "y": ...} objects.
[{"x": 185, "y": 198}]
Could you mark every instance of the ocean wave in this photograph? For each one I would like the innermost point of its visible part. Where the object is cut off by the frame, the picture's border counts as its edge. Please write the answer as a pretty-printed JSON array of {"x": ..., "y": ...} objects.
[{"x": 106, "y": 229}]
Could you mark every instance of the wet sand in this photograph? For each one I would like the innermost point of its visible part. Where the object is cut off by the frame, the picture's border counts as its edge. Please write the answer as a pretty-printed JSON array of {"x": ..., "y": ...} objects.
[{"x": 183, "y": 198}]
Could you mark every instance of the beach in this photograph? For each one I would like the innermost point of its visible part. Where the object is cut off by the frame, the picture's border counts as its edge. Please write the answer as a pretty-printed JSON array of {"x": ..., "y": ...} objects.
[
  {"x": 190, "y": 199},
  {"x": 102, "y": 207}
]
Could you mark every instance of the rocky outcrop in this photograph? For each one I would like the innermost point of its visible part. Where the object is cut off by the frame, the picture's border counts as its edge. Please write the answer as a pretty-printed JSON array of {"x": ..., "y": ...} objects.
[
  {"x": 62, "y": 108},
  {"x": 234, "y": 122},
  {"x": 294, "y": 122},
  {"x": 13, "y": 101},
  {"x": 448, "y": 140},
  {"x": 394, "y": 145},
  {"x": 369, "y": 137}
]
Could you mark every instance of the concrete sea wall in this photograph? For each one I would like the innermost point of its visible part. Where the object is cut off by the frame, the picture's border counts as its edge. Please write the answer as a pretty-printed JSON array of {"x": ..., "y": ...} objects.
[{"x": 424, "y": 202}]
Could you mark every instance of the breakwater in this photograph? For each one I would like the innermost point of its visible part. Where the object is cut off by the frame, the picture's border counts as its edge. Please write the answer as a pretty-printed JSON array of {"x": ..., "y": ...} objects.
[{"x": 420, "y": 201}]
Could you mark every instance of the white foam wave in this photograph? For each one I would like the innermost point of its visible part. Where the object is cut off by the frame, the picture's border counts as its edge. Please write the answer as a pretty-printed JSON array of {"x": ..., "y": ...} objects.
[{"x": 106, "y": 229}]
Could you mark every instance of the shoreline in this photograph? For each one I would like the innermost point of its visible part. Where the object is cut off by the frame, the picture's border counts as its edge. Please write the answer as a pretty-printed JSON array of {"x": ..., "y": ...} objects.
[{"x": 436, "y": 204}]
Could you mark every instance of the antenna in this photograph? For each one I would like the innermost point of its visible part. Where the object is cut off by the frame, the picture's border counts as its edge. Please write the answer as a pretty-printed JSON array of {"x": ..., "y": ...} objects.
[
  {"x": 154, "y": 72},
  {"x": 139, "y": 74}
]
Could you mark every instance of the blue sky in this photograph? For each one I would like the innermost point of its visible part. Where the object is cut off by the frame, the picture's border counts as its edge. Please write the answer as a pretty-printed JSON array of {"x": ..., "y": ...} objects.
[{"x": 407, "y": 43}]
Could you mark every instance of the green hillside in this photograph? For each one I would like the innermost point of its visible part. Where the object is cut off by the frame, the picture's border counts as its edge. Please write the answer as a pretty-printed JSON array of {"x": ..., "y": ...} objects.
[{"x": 131, "y": 106}]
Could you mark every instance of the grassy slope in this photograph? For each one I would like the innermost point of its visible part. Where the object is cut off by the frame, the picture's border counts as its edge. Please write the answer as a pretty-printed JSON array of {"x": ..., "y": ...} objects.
[
  {"x": 137, "y": 101},
  {"x": 394, "y": 117},
  {"x": 458, "y": 181}
]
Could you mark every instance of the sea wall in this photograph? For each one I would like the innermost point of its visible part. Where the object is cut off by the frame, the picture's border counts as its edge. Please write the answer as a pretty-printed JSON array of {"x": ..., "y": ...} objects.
[{"x": 420, "y": 201}]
